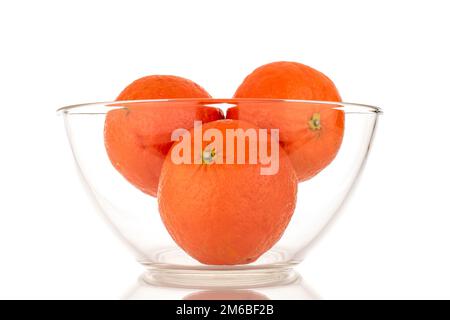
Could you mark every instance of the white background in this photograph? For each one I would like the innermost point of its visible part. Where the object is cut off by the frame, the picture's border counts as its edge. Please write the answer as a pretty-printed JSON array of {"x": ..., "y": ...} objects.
[{"x": 393, "y": 241}]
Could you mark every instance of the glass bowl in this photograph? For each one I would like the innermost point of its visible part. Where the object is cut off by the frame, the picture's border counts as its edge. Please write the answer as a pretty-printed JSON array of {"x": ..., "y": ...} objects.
[{"x": 121, "y": 147}]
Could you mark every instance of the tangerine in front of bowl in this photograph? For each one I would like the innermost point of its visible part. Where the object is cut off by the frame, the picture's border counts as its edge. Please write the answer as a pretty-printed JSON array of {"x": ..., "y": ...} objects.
[{"x": 225, "y": 212}]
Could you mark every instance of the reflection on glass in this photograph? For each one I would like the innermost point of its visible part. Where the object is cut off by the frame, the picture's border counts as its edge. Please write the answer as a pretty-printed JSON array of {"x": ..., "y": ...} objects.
[{"x": 296, "y": 290}]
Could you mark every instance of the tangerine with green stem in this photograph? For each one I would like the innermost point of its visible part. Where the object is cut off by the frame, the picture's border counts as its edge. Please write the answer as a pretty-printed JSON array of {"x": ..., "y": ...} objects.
[{"x": 310, "y": 132}]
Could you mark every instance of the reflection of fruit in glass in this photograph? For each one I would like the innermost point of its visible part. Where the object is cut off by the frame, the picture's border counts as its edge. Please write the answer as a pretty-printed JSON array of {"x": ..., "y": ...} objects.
[
  {"x": 226, "y": 295},
  {"x": 311, "y": 134},
  {"x": 226, "y": 214},
  {"x": 138, "y": 137}
]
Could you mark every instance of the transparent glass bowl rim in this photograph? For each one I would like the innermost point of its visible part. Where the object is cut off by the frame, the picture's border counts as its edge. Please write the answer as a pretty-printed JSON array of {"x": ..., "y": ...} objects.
[{"x": 104, "y": 107}]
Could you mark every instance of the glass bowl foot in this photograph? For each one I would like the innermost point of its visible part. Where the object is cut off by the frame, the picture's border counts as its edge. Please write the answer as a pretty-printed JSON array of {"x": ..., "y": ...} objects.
[{"x": 191, "y": 278}]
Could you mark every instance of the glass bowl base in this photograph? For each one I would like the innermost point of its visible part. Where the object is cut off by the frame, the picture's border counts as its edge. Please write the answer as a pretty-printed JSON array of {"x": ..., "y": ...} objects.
[{"x": 241, "y": 279}]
